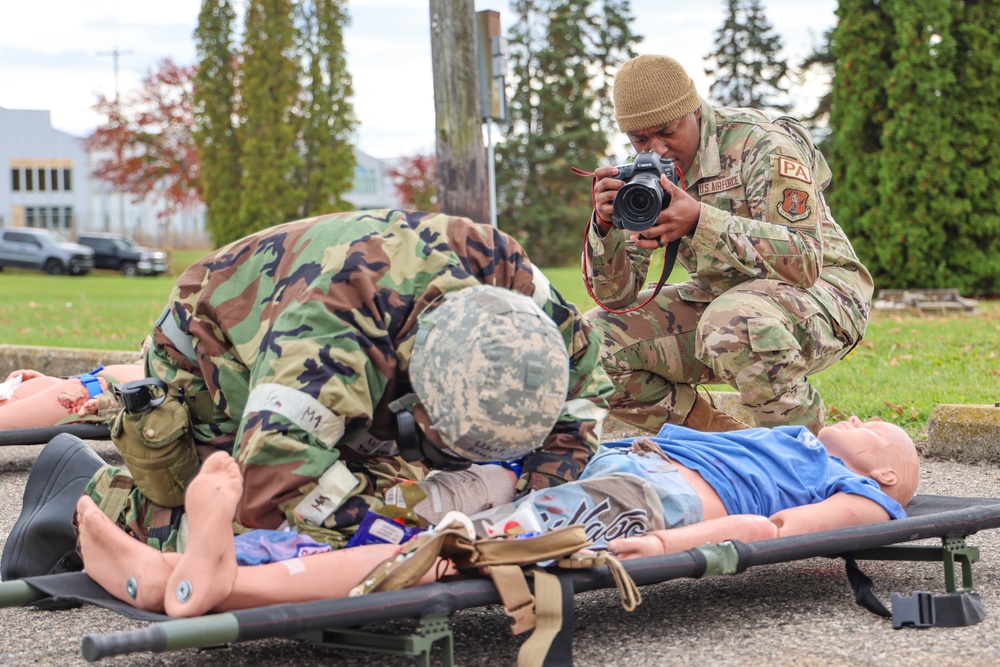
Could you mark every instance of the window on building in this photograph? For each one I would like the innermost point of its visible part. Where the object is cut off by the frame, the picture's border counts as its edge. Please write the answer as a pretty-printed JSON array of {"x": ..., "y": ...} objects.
[
  {"x": 15, "y": 179},
  {"x": 67, "y": 181},
  {"x": 68, "y": 216},
  {"x": 29, "y": 213},
  {"x": 29, "y": 180},
  {"x": 43, "y": 217},
  {"x": 56, "y": 218},
  {"x": 41, "y": 179},
  {"x": 54, "y": 179},
  {"x": 364, "y": 180}
]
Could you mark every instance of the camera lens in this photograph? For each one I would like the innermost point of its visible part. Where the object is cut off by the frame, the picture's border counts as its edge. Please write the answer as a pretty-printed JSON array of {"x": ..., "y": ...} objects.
[{"x": 639, "y": 202}]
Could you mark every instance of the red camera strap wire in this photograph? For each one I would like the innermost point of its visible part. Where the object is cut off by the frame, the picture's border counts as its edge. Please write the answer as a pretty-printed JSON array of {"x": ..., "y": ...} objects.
[{"x": 669, "y": 257}]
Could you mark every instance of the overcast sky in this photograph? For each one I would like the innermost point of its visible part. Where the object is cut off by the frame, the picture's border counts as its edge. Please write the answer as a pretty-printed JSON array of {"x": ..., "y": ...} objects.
[{"x": 54, "y": 54}]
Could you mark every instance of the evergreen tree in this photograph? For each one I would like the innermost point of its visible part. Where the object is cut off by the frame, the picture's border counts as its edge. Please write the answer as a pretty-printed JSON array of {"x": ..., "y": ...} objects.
[
  {"x": 863, "y": 43},
  {"x": 269, "y": 94},
  {"x": 214, "y": 97},
  {"x": 273, "y": 114},
  {"x": 328, "y": 121},
  {"x": 915, "y": 152},
  {"x": 974, "y": 252},
  {"x": 559, "y": 115},
  {"x": 748, "y": 71},
  {"x": 916, "y": 195}
]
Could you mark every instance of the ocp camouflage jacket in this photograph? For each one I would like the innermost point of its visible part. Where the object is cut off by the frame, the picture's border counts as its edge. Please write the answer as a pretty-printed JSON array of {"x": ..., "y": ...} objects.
[{"x": 760, "y": 181}]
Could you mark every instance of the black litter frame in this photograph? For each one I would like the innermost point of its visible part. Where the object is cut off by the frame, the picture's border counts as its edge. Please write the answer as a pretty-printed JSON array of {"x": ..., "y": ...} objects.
[{"x": 951, "y": 519}]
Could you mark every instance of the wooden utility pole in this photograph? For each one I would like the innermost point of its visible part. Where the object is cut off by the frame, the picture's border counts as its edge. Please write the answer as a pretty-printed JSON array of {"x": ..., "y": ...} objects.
[{"x": 461, "y": 156}]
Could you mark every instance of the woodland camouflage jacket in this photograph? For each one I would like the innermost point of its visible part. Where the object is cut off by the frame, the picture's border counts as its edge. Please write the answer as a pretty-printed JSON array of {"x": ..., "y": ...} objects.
[{"x": 327, "y": 308}]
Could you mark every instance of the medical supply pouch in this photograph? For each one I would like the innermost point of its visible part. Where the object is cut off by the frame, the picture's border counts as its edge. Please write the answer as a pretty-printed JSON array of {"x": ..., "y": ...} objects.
[{"x": 159, "y": 450}]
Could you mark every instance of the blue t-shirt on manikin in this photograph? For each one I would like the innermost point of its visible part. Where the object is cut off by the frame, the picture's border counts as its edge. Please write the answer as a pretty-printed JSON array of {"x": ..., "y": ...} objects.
[{"x": 765, "y": 470}]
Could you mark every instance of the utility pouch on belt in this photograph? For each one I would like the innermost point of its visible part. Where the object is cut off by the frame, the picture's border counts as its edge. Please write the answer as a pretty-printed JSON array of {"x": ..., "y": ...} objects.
[{"x": 153, "y": 433}]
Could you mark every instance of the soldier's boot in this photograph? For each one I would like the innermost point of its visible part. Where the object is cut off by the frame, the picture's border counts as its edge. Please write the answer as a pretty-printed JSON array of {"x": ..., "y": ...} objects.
[
  {"x": 43, "y": 540},
  {"x": 704, "y": 416}
]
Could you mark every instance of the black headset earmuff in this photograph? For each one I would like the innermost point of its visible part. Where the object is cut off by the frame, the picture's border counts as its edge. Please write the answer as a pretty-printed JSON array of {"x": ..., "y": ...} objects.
[
  {"x": 407, "y": 436},
  {"x": 414, "y": 447}
]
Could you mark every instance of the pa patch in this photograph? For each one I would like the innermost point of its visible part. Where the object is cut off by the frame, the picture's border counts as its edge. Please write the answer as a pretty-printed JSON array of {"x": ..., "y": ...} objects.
[
  {"x": 794, "y": 205},
  {"x": 792, "y": 169}
]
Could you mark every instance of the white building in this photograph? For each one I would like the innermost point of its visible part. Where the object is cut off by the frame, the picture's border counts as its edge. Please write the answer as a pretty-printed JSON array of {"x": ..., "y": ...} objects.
[
  {"x": 372, "y": 185},
  {"x": 47, "y": 180},
  {"x": 49, "y": 184}
]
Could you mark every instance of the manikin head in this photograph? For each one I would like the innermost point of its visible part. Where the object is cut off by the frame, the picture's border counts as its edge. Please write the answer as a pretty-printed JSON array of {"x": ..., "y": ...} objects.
[
  {"x": 490, "y": 373},
  {"x": 658, "y": 108},
  {"x": 879, "y": 450}
]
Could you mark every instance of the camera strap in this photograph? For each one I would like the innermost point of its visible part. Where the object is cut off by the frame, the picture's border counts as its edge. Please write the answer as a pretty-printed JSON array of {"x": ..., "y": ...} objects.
[{"x": 669, "y": 256}]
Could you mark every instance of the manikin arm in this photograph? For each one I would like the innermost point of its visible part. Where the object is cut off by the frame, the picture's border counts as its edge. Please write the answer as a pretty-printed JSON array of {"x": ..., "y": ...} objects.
[{"x": 840, "y": 510}]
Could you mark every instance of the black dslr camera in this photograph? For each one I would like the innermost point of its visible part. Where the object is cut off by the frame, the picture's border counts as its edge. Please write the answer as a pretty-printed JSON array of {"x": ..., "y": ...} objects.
[{"x": 641, "y": 199}]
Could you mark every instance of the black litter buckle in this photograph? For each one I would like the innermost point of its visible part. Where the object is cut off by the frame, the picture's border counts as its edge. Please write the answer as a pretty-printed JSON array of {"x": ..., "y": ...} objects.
[{"x": 917, "y": 610}]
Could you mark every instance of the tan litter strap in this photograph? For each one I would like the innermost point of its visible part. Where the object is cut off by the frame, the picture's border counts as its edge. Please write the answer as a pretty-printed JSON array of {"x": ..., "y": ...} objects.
[
  {"x": 549, "y": 620},
  {"x": 627, "y": 590},
  {"x": 518, "y": 601},
  {"x": 527, "y": 551}
]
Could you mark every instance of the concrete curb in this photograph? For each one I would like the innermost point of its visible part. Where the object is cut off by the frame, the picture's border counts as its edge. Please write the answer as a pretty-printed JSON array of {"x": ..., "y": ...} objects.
[{"x": 59, "y": 361}]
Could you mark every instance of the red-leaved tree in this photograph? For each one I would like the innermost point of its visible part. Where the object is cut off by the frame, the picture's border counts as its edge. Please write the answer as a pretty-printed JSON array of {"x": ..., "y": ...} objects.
[
  {"x": 146, "y": 145},
  {"x": 415, "y": 180}
]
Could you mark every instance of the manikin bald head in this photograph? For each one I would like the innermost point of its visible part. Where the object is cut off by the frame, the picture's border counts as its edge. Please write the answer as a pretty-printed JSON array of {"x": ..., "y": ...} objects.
[{"x": 879, "y": 450}]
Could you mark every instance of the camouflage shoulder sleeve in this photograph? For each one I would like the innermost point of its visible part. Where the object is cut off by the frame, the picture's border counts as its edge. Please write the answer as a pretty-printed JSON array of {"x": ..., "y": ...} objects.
[
  {"x": 617, "y": 277},
  {"x": 577, "y": 433},
  {"x": 303, "y": 394},
  {"x": 782, "y": 238}
]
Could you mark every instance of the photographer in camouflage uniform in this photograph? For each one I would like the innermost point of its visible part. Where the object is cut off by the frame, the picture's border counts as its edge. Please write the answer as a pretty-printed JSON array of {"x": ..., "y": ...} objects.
[
  {"x": 776, "y": 292},
  {"x": 335, "y": 357}
]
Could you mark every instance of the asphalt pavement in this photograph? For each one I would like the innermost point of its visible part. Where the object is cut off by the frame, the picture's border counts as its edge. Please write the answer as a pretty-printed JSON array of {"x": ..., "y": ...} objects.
[{"x": 798, "y": 613}]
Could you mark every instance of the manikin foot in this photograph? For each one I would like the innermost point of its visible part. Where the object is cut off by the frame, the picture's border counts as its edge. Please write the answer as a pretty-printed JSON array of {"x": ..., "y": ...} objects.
[
  {"x": 205, "y": 575},
  {"x": 131, "y": 571}
]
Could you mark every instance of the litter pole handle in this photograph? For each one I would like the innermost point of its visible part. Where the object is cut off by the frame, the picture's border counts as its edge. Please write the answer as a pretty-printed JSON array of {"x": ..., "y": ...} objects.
[
  {"x": 18, "y": 593},
  {"x": 199, "y": 632},
  {"x": 40, "y": 435}
]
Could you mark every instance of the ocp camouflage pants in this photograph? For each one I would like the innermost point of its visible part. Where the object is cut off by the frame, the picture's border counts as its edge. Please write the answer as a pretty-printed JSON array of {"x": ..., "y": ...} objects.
[{"x": 763, "y": 338}]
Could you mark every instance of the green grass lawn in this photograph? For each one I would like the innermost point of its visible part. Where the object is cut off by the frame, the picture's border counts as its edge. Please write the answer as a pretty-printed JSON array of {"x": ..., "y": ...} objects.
[{"x": 906, "y": 365}]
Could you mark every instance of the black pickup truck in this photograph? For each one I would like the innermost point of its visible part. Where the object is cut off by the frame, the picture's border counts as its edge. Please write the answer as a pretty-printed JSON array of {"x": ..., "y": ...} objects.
[{"x": 120, "y": 253}]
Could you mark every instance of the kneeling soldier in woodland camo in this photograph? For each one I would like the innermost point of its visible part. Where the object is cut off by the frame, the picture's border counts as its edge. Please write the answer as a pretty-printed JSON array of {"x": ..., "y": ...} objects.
[{"x": 335, "y": 357}]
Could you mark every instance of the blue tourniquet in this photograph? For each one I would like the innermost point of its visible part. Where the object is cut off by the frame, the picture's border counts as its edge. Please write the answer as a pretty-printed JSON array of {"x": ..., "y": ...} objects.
[{"x": 91, "y": 382}]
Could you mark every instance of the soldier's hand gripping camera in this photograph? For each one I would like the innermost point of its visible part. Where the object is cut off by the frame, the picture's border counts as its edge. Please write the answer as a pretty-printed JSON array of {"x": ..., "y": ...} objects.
[{"x": 640, "y": 200}]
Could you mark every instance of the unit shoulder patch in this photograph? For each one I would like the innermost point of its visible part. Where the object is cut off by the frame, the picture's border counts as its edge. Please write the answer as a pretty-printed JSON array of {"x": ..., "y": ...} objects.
[
  {"x": 794, "y": 205},
  {"x": 792, "y": 169}
]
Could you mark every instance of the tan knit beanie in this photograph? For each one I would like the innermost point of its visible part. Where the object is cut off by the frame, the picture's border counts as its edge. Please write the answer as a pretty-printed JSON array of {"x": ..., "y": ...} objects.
[{"x": 651, "y": 91}]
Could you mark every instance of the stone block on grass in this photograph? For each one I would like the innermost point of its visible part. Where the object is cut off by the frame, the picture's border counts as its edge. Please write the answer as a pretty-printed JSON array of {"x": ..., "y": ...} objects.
[{"x": 965, "y": 433}]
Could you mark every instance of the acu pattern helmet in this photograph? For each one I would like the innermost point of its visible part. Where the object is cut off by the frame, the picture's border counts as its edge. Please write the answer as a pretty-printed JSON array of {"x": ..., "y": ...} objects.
[{"x": 492, "y": 371}]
